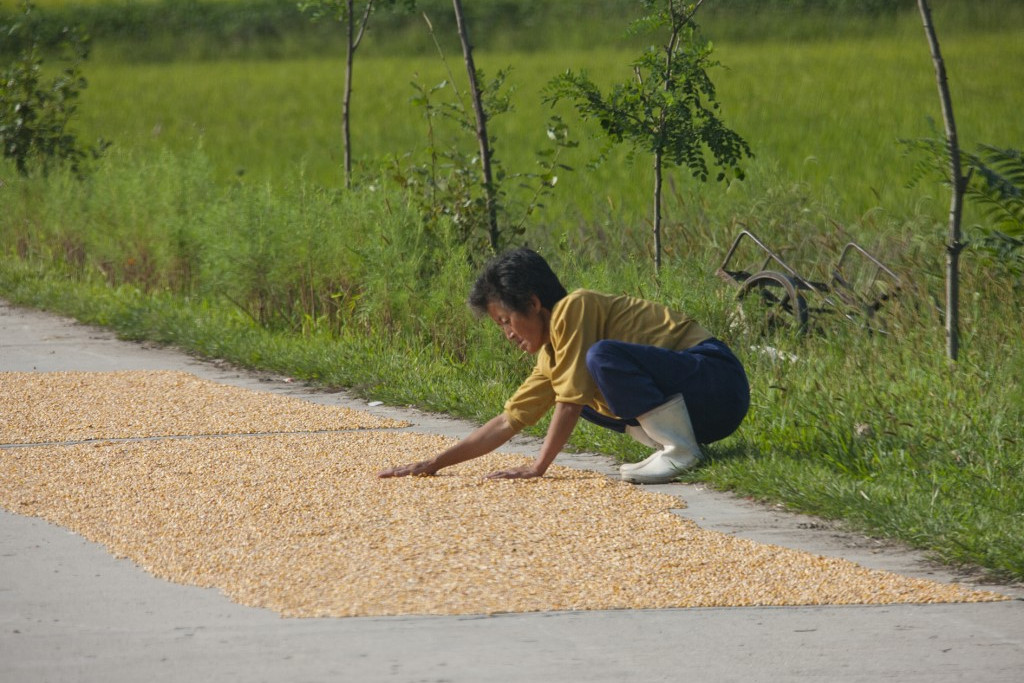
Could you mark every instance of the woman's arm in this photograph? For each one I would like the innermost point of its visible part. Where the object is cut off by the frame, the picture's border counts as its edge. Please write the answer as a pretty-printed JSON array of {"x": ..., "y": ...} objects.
[
  {"x": 563, "y": 421},
  {"x": 481, "y": 441}
]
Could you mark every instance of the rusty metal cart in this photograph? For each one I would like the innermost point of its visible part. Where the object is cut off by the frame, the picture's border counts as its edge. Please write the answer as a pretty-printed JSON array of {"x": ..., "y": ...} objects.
[{"x": 856, "y": 292}]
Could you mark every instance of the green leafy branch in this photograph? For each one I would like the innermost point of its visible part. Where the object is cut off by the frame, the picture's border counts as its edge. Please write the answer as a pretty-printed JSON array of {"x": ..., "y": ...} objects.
[
  {"x": 669, "y": 109},
  {"x": 35, "y": 115}
]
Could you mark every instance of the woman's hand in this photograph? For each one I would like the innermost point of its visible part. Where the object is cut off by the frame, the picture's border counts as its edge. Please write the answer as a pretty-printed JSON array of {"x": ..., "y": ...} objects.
[
  {"x": 563, "y": 421},
  {"x": 524, "y": 472},
  {"x": 483, "y": 440},
  {"x": 422, "y": 468}
]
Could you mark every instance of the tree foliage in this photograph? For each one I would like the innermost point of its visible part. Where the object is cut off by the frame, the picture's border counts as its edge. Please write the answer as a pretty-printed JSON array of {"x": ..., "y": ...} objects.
[
  {"x": 998, "y": 187},
  {"x": 445, "y": 181},
  {"x": 994, "y": 184},
  {"x": 35, "y": 114},
  {"x": 669, "y": 109}
]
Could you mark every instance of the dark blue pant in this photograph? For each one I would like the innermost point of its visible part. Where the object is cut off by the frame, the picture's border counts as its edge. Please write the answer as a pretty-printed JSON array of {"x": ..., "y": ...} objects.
[{"x": 635, "y": 378}]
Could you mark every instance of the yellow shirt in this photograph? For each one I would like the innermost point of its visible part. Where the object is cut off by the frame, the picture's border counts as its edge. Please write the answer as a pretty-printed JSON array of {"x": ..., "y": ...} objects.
[{"x": 577, "y": 321}]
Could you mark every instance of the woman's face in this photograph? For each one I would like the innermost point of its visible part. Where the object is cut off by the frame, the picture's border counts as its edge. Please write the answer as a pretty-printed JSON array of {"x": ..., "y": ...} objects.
[{"x": 529, "y": 330}]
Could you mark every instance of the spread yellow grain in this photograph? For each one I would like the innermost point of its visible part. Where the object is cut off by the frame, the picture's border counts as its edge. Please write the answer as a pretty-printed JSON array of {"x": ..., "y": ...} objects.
[
  {"x": 279, "y": 517},
  {"x": 76, "y": 406}
]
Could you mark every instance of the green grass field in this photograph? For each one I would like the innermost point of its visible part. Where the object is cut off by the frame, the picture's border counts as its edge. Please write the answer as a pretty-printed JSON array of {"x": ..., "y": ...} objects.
[
  {"x": 216, "y": 222},
  {"x": 824, "y": 116}
]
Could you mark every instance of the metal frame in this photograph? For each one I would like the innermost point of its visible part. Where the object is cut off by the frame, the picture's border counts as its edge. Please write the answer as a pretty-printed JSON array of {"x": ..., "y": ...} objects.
[{"x": 782, "y": 287}]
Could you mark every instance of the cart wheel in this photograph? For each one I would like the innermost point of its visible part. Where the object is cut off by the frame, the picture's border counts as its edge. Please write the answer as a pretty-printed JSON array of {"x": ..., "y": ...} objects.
[{"x": 782, "y": 304}]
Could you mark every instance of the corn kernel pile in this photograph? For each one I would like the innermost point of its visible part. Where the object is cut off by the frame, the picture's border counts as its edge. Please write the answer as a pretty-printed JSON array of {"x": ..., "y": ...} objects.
[{"x": 275, "y": 501}]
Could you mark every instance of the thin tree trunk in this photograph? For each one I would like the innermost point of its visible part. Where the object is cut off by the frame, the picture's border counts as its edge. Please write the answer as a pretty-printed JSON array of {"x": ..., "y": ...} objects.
[
  {"x": 657, "y": 211},
  {"x": 670, "y": 49},
  {"x": 347, "y": 97},
  {"x": 958, "y": 183},
  {"x": 352, "y": 40},
  {"x": 481, "y": 128}
]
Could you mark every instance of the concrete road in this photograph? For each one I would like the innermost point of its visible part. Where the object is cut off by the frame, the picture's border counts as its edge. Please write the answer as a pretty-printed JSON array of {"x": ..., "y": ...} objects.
[{"x": 71, "y": 612}]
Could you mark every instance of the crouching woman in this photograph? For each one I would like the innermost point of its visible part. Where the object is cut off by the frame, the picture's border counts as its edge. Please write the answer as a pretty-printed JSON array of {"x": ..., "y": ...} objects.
[{"x": 625, "y": 363}]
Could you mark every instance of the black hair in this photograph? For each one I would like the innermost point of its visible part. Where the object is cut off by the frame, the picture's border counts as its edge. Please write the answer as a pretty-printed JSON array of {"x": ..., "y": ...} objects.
[{"x": 512, "y": 278}]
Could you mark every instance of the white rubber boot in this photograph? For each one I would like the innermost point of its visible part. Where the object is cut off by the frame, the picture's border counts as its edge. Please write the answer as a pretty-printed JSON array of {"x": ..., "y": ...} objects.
[
  {"x": 668, "y": 424},
  {"x": 638, "y": 434}
]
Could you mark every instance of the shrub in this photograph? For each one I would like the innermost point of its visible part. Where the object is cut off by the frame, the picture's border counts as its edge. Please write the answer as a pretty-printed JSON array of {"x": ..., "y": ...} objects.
[{"x": 34, "y": 114}]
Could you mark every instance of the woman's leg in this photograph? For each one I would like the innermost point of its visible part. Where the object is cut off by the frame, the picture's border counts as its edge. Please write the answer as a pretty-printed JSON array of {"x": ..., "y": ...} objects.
[
  {"x": 634, "y": 379},
  {"x": 612, "y": 423}
]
